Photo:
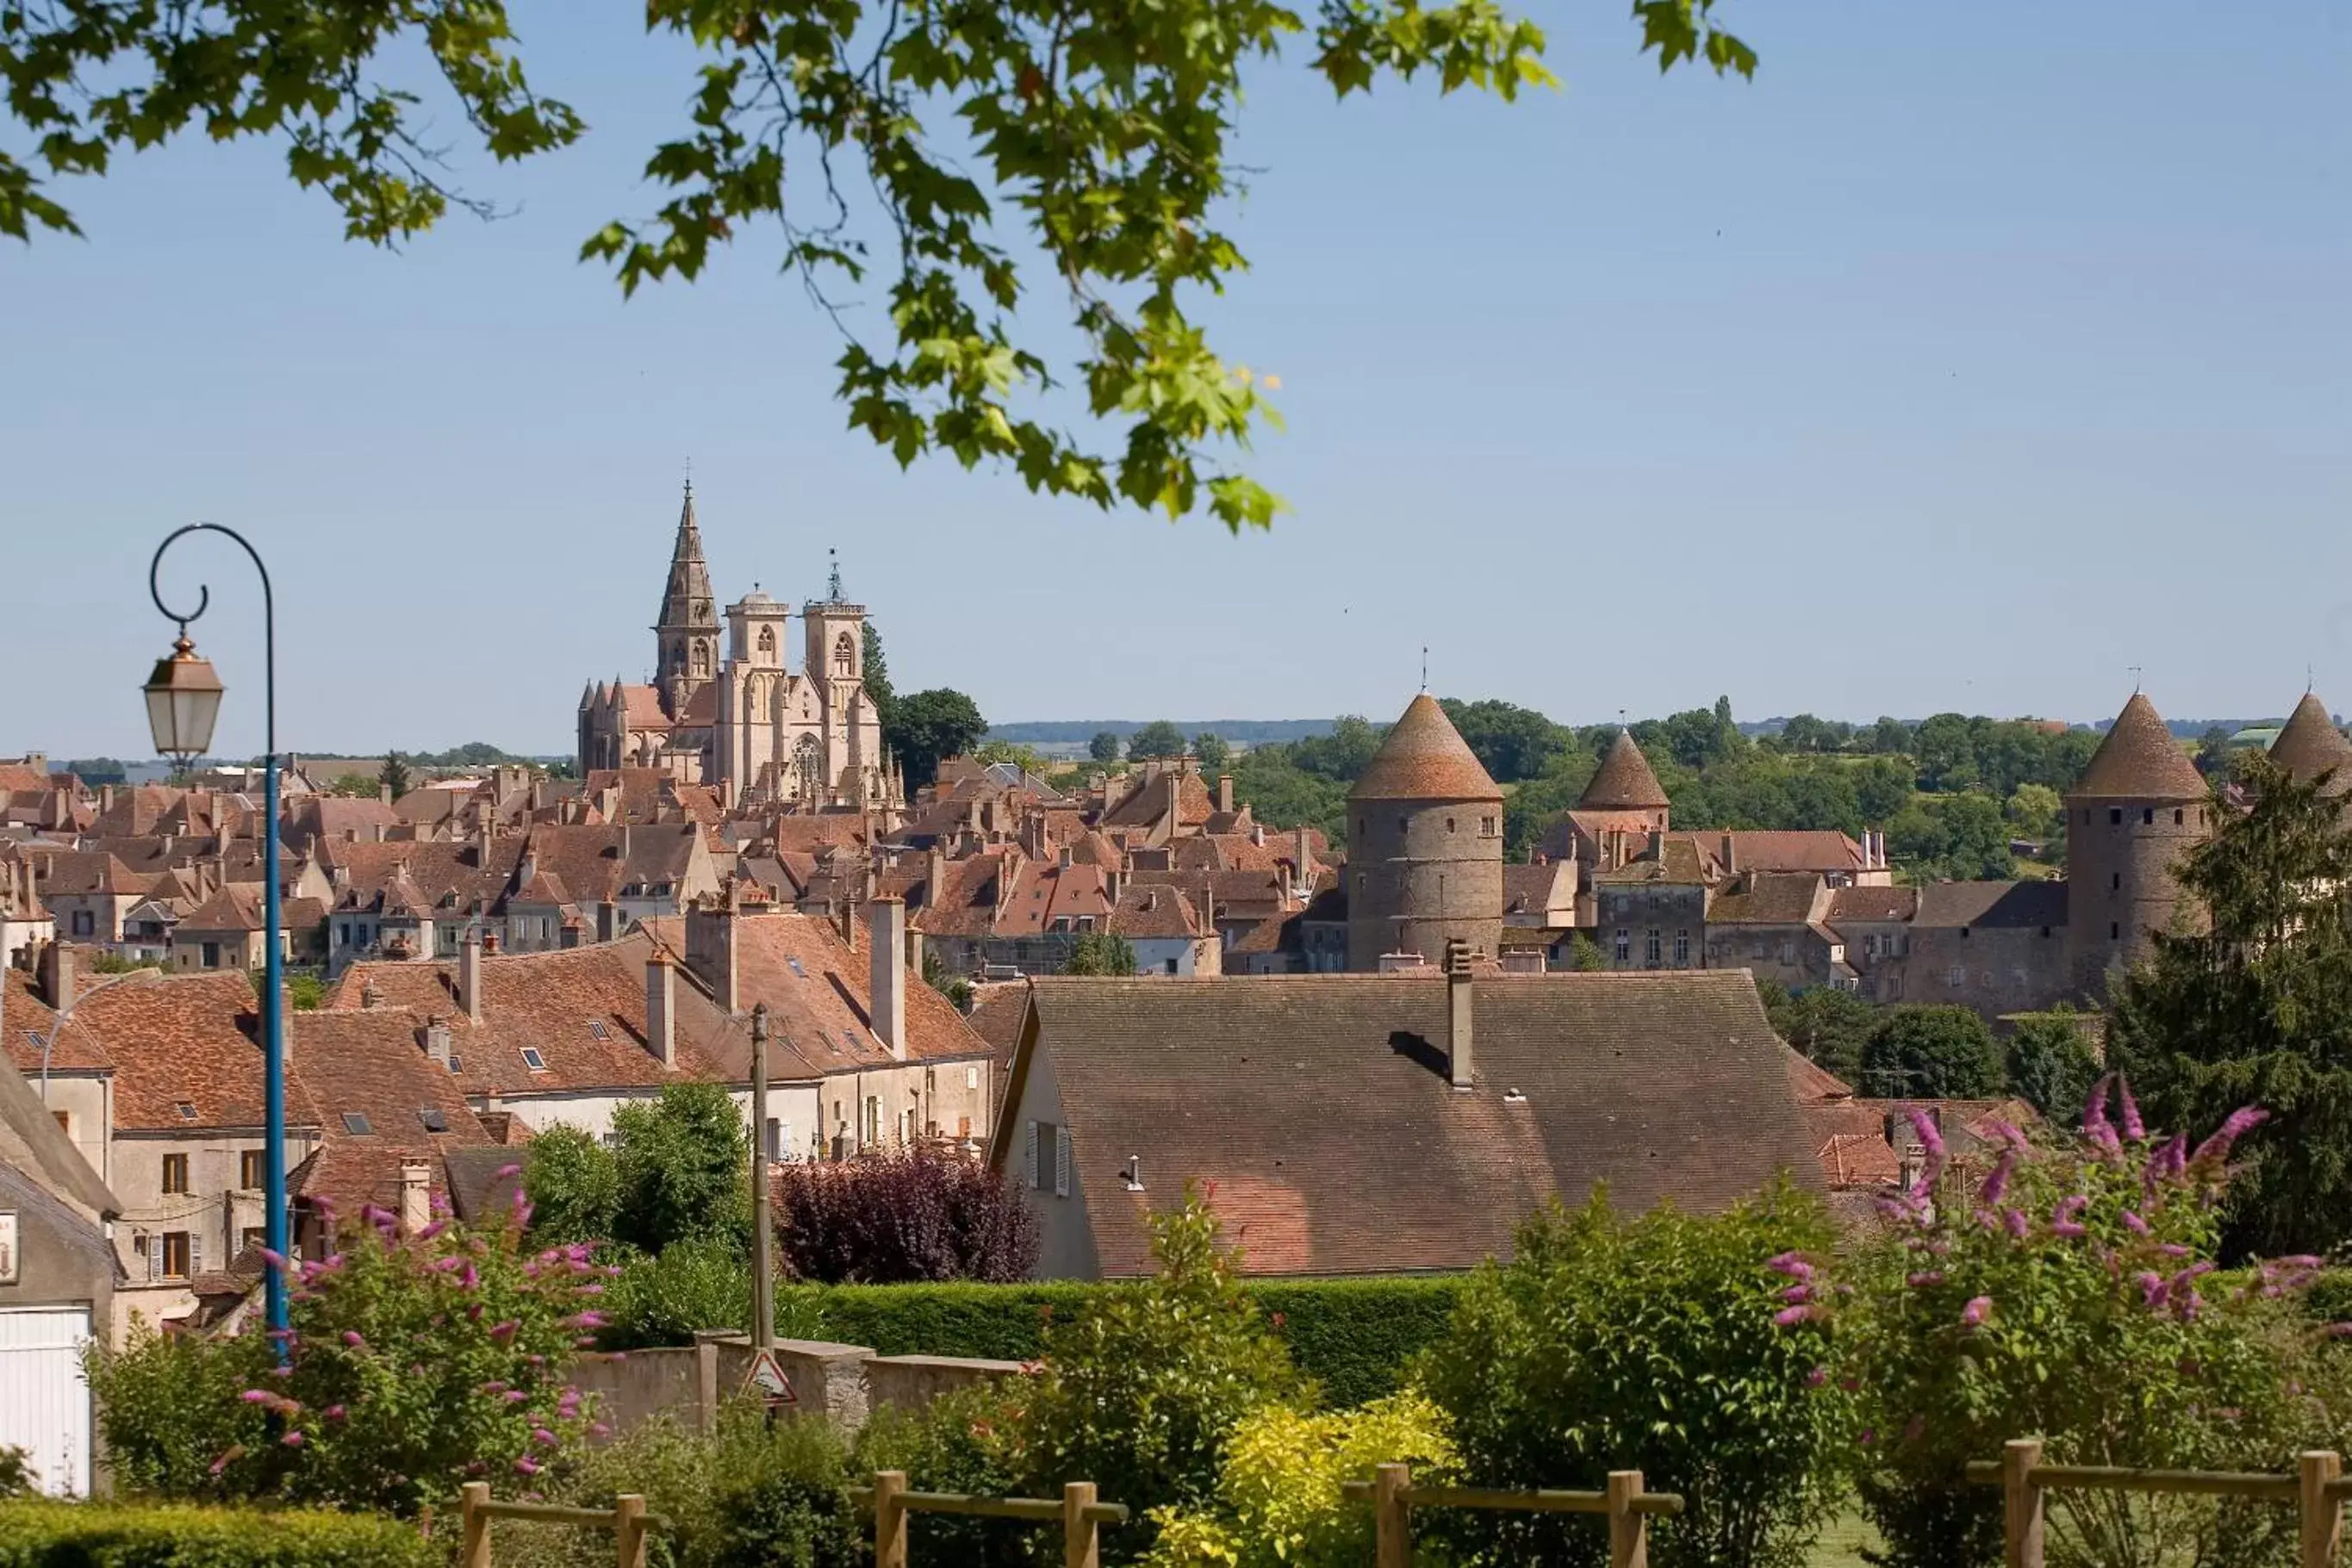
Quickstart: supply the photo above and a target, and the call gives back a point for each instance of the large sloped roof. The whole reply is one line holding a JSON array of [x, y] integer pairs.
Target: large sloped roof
[[1320, 1108], [1625, 782], [2311, 744], [2140, 761], [1424, 758]]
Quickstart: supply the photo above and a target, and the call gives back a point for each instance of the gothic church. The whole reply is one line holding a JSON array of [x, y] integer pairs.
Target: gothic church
[[760, 732]]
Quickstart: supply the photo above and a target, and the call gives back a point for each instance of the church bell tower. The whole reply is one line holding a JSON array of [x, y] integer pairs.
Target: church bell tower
[[686, 637]]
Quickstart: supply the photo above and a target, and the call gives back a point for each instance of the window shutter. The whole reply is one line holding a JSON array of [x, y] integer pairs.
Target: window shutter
[[1061, 1161], [155, 1256], [1029, 1156], [196, 1253]]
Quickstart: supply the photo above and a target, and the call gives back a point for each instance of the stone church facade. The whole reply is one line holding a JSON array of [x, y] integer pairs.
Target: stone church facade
[[742, 719]]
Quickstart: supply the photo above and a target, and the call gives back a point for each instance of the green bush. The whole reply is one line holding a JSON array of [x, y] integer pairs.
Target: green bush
[[1278, 1501], [748, 1495], [1646, 1342], [96, 1535], [965, 1441], [1353, 1337], [663, 1297]]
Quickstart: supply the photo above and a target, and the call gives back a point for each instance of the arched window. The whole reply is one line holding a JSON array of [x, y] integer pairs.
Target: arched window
[[845, 655], [701, 659], [808, 767], [768, 639], [678, 658]]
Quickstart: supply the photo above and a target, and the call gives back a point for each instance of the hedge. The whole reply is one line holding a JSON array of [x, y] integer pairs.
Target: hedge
[[46, 1534], [1353, 1336]]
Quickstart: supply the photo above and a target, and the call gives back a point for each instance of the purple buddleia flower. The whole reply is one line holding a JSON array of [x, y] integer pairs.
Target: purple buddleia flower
[[1796, 1293], [2133, 1128], [2172, 1249], [516, 1396], [430, 1231], [2171, 1158], [1925, 1279], [2016, 1222], [598, 1429], [1791, 1263], [544, 1437], [258, 1396], [1997, 1182], [2066, 1219], [1931, 1140], [335, 1413], [274, 1260], [505, 1330], [2133, 1223], [506, 1171], [2151, 1288], [1790, 1317], [1974, 1314], [2095, 1126], [1816, 1377], [527, 1464], [2216, 1149], [292, 1439]]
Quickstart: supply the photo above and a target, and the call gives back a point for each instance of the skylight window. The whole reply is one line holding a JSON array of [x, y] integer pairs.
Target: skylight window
[[187, 1112], [356, 1124], [849, 1038], [40, 1041], [596, 1027], [435, 1121], [796, 967], [533, 1059], [456, 1062]]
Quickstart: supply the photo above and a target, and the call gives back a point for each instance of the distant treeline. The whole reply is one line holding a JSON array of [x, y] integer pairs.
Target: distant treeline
[[1233, 731]]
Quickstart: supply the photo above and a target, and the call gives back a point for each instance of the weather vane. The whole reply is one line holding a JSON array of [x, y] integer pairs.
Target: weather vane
[[1424, 667], [834, 556], [2136, 673]]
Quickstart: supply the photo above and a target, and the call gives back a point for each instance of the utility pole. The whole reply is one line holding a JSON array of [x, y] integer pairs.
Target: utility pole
[[764, 1265]]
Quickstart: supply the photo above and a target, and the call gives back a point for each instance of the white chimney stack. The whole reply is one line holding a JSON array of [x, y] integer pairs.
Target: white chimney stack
[[661, 1007], [1457, 1012], [469, 975], [415, 1197], [888, 951], [437, 1039]]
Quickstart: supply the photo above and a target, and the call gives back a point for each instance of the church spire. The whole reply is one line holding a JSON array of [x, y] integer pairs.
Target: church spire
[[687, 636]]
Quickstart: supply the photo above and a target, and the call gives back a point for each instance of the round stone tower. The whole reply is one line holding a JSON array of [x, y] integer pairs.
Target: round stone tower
[[2137, 808], [2310, 747], [1425, 846]]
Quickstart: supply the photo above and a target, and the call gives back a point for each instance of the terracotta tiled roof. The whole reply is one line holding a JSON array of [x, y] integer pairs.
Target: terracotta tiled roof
[[1811, 1083], [2310, 744], [234, 906], [582, 1010], [1319, 1108], [964, 904], [2015, 904], [1154, 913], [185, 1040], [1529, 889], [1625, 782], [1767, 898], [1873, 904], [2139, 760], [1785, 850], [25, 1013], [1424, 758], [374, 1066], [1678, 860]]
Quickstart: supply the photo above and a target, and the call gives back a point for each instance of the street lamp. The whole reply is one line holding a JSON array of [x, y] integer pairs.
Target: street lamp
[[182, 700]]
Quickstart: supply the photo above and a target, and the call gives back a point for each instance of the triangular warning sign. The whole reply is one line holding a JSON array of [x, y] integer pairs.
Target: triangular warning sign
[[768, 1378]]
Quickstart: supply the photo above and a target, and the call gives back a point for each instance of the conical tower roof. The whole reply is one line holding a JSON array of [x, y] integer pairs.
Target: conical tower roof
[[2310, 744], [687, 600], [1625, 782], [1424, 758], [2140, 761]]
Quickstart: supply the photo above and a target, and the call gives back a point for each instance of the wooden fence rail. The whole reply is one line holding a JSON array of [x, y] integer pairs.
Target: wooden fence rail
[[2319, 1489], [1627, 1506], [1080, 1516], [626, 1519]]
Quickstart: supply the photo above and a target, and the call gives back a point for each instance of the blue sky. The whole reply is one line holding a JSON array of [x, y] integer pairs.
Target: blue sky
[[1968, 357]]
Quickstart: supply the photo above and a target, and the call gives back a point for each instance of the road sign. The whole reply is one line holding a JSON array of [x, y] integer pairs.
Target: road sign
[[768, 1378]]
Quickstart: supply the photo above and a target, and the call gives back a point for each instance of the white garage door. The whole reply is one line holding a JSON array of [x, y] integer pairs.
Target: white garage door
[[45, 1409]]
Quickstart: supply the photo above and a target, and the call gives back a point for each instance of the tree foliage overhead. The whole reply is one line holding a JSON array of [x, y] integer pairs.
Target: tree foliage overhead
[[1093, 134], [2252, 1011]]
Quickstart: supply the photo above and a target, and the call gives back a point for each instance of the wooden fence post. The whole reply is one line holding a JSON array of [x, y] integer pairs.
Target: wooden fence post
[[889, 1519], [1081, 1536], [2020, 1503], [1629, 1532], [474, 1544], [629, 1530], [2322, 1514], [1392, 1519]]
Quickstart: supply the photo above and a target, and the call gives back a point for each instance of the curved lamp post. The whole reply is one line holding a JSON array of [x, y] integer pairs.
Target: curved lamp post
[[184, 699]]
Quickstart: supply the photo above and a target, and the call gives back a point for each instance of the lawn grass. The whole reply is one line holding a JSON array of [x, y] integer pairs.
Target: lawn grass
[[1842, 1541]]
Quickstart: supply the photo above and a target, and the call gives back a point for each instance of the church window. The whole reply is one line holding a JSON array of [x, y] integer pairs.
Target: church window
[[768, 639], [808, 766], [702, 658], [678, 658], [845, 655]]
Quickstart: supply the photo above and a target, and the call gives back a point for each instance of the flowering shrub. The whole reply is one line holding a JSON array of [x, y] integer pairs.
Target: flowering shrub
[[1278, 1503], [413, 1364], [2070, 1296], [1646, 1342]]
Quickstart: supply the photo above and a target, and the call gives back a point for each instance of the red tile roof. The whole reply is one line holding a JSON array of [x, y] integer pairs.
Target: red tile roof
[[2310, 744], [1624, 780], [2139, 760], [1424, 758], [187, 1039]]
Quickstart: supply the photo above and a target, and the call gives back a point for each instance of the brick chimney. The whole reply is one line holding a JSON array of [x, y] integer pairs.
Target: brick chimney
[[415, 1197], [437, 1039], [886, 918], [1225, 793], [1458, 1056], [1730, 854], [661, 1007], [469, 975]]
